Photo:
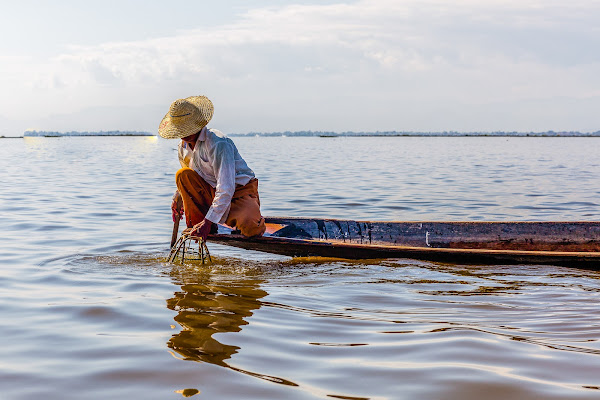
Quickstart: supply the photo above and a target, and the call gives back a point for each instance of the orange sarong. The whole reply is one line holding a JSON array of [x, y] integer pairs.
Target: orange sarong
[[198, 195]]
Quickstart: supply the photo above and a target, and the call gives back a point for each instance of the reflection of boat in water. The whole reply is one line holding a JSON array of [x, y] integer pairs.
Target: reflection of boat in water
[[206, 309], [574, 244]]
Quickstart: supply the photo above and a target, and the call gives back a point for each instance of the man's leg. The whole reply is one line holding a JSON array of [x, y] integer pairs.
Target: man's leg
[[197, 195], [245, 211]]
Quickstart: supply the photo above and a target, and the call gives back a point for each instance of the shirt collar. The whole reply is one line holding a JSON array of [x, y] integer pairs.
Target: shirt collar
[[202, 135], [201, 138]]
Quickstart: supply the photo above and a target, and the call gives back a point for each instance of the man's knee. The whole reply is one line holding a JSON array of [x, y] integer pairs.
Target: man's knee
[[188, 180], [250, 227], [245, 216], [184, 174]]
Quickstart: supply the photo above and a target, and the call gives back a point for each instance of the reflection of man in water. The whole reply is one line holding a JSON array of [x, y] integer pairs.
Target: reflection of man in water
[[206, 309]]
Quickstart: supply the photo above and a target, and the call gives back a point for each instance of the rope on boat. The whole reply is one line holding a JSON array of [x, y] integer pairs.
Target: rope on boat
[[182, 249]]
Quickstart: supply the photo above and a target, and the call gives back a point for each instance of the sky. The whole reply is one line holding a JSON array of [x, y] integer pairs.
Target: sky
[[270, 66]]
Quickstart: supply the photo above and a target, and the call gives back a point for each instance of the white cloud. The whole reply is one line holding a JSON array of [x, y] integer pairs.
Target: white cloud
[[307, 65]]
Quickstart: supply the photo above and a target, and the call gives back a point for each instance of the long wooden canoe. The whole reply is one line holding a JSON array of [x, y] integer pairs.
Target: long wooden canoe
[[575, 244]]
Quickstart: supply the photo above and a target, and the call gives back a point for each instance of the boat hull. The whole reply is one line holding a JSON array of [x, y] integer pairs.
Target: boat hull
[[575, 244]]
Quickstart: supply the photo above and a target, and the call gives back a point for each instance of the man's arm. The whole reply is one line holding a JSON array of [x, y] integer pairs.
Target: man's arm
[[224, 170], [185, 163], [177, 206]]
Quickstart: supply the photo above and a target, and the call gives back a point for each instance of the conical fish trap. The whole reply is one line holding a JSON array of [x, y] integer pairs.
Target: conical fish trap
[[189, 248]]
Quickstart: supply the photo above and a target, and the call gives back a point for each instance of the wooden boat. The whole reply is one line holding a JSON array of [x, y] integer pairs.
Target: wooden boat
[[575, 244]]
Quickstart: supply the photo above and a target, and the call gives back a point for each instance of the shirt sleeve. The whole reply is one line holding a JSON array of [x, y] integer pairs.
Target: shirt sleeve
[[224, 170], [182, 161]]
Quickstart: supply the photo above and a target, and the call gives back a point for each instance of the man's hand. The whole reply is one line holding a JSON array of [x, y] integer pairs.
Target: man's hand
[[201, 229], [177, 207]]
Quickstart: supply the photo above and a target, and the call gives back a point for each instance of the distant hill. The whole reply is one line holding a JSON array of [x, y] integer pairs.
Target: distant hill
[[75, 133], [396, 133]]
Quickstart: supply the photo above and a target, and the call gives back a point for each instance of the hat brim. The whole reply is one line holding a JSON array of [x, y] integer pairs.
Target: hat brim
[[168, 130]]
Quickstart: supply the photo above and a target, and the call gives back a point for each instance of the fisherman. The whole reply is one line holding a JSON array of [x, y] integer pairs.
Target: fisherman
[[214, 184]]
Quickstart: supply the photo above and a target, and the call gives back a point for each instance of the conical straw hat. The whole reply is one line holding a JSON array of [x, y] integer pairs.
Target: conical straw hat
[[186, 117]]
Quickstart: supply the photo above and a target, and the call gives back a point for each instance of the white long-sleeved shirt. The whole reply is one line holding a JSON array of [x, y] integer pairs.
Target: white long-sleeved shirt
[[216, 159]]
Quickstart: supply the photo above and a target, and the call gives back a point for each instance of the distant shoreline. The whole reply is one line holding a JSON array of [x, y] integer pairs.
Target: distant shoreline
[[441, 135], [326, 134], [78, 133], [420, 135], [54, 136], [594, 135], [323, 134], [57, 136]]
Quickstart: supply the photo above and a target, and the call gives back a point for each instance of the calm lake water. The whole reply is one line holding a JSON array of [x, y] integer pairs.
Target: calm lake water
[[91, 309]]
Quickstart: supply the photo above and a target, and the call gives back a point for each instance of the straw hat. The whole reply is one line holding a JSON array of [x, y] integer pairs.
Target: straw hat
[[186, 117]]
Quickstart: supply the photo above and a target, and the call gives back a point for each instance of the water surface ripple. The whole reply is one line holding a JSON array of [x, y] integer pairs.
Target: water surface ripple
[[92, 310]]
